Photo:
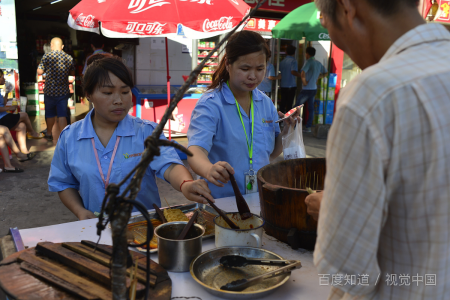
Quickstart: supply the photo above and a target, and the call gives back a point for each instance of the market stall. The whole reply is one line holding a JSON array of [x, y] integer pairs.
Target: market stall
[[304, 283]]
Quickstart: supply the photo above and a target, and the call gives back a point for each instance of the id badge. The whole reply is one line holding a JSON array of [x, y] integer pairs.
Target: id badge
[[251, 186]]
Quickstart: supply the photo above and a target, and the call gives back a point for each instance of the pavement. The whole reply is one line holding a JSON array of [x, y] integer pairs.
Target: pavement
[[25, 201]]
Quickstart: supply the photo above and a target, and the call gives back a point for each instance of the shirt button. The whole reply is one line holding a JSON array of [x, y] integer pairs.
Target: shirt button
[[105, 157]]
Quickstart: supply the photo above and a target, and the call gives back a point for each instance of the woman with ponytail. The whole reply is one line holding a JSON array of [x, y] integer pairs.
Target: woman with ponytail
[[233, 125]]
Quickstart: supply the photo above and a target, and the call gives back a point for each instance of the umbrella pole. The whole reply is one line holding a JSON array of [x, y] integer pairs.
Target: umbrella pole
[[278, 71], [168, 86]]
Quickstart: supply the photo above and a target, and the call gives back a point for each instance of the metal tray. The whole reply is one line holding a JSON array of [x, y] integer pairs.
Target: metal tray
[[207, 272], [185, 208]]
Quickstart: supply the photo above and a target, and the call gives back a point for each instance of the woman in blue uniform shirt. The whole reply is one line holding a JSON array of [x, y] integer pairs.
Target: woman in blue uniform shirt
[[107, 144], [233, 125]]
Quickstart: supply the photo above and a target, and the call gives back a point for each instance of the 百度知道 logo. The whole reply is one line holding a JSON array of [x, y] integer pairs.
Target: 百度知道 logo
[[139, 5], [223, 23], [154, 28]]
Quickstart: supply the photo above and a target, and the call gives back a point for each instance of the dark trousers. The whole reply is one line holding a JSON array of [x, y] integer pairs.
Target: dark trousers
[[307, 96], [287, 98]]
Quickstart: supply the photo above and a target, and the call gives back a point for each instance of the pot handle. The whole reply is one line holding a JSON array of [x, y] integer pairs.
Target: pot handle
[[257, 238]]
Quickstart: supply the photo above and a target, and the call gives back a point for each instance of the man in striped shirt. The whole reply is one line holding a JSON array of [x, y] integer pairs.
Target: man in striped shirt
[[384, 219]]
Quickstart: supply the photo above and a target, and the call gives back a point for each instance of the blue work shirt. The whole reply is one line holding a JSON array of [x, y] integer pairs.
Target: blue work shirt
[[286, 66], [312, 69], [2, 104], [74, 164], [266, 84], [216, 127]]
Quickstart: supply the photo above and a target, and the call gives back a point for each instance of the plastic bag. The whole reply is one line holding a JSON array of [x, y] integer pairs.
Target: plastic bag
[[293, 146]]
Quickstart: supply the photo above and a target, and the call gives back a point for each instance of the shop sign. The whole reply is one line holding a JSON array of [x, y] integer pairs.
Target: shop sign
[[279, 5], [443, 14], [256, 24]]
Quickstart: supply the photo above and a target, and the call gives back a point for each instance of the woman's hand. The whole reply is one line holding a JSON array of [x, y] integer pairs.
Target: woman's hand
[[291, 121], [197, 191], [218, 174], [85, 215]]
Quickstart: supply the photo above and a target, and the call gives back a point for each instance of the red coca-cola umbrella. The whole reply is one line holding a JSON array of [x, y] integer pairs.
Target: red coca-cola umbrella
[[141, 18], [195, 19]]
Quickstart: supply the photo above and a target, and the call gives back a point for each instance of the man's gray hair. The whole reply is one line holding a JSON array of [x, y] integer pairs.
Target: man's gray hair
[[327, 7], [385, 7]]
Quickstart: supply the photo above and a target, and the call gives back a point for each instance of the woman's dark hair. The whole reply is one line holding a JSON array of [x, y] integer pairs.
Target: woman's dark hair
[[97, 72], [239, 44]]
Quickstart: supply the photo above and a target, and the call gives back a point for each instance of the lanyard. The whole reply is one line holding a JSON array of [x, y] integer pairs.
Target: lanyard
[[105, 182], [249, 145]]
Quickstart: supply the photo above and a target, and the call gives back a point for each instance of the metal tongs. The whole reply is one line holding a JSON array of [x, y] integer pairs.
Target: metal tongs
[[234, 261], [242, 284]]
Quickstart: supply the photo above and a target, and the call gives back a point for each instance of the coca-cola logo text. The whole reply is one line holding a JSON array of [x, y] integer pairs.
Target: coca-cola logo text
[[138, 5], [85, 21], [324, 36], [154, 28], [223, 23]]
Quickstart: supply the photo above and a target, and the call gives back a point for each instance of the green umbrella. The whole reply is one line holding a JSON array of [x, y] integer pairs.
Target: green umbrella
[[302, 22]]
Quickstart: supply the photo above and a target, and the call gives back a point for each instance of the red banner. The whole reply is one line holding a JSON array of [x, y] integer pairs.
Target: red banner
[[256, 24], [279, 5], [443, 14]]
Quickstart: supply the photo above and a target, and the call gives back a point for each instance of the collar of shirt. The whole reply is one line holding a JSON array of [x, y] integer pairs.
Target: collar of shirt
[[229, 97], [125, 127], [425, 33]]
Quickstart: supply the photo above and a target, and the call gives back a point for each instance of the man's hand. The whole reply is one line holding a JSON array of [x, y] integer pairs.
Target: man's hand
[[197, 191], [86, 215], [218, 173], [313, 204], [12, 107]]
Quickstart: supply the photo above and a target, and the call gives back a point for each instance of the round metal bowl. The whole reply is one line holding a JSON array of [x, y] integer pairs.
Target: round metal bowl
[[207, 271]]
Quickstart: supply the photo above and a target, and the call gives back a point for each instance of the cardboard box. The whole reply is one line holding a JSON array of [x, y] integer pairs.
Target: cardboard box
[[328, 119], [318, 119], [318, 107], [329, 107]]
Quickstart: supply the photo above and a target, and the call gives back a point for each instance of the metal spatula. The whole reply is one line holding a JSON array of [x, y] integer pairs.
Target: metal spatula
[[242, 284], [242, 205]]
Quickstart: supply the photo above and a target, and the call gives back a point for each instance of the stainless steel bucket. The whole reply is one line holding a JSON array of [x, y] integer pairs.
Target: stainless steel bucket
[[176, 256]]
